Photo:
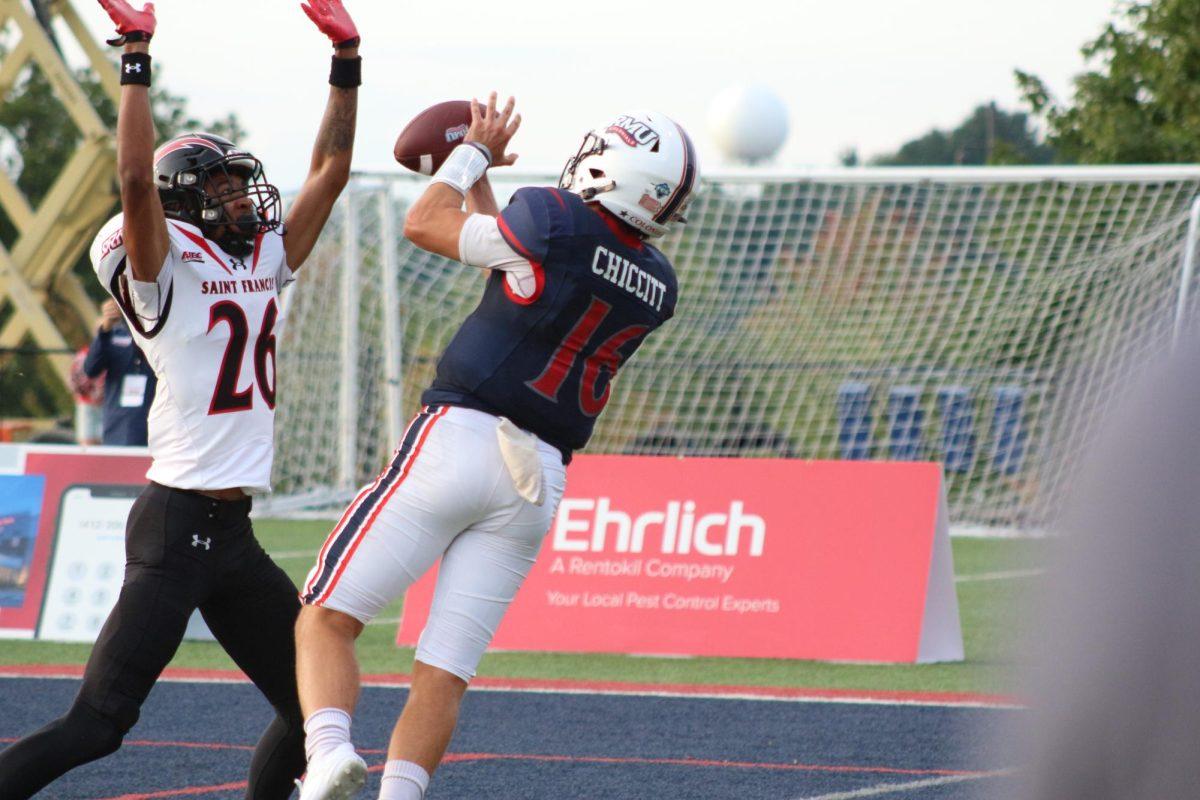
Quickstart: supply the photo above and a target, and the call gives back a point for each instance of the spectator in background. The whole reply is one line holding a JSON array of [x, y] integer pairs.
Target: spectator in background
[[89, 404], [129, 381]]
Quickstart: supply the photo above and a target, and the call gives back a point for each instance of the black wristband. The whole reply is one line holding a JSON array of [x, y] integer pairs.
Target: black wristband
[[353, 41], [346, 73], [123, 39], [135, 69]]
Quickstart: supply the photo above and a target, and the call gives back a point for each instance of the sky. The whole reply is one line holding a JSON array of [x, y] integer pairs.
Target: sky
[[868, 74]]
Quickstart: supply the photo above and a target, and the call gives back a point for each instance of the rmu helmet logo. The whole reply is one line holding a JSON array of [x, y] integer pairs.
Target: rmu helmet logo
[[456, 133], [633, 132]]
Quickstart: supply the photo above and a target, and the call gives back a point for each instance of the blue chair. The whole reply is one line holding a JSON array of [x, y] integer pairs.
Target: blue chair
[[1009, 434], [958, 427], [906, 418], [854, 420]]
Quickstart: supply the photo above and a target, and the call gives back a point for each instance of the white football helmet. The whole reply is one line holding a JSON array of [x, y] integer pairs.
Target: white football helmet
[[641, 167]]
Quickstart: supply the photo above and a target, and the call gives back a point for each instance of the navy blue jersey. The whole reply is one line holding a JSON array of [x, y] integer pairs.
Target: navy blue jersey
[[547, 361]]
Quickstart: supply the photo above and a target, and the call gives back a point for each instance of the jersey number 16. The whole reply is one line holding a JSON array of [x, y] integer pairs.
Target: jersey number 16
[[593, 393]]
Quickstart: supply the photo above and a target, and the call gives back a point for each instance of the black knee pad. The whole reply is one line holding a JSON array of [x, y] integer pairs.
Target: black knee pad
[[92, 734]]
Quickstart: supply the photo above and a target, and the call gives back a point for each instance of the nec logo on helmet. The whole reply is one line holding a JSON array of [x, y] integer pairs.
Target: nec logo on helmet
[[633, 132]]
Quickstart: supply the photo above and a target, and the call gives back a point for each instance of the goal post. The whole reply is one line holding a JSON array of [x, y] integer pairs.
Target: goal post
[[980, 317]]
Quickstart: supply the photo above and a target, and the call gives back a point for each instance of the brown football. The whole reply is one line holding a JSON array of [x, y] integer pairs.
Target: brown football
[[426, 141]]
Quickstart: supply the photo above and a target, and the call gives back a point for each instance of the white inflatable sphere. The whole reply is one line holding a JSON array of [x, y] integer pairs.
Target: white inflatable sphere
[[748, 123]]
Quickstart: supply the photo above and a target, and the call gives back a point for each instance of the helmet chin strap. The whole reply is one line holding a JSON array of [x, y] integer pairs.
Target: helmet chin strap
[[235, 244], [590, 192], [237, 236]]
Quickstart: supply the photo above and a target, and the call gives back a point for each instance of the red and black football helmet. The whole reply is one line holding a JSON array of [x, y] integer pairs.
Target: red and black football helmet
[[182, 168]]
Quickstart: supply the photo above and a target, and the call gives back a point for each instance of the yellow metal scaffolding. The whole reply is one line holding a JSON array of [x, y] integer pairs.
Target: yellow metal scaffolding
[[51, 237]]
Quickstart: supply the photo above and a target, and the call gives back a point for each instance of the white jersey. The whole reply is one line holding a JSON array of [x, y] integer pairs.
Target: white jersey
[[207, 327]]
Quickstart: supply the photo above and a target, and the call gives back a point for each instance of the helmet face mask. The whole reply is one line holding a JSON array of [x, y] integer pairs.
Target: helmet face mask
[[641, 168], [199, 174], [593, 145]]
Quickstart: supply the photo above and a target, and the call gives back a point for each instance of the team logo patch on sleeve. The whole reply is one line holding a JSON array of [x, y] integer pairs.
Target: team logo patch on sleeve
[[112, 243]]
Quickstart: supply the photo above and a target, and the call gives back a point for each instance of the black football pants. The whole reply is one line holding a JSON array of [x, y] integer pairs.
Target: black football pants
[[183, 551]]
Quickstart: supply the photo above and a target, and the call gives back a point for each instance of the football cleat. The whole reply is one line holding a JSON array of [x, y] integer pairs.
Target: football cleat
[[337, 776]]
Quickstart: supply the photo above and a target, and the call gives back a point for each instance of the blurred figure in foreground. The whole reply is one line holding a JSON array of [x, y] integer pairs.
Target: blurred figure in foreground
[[1116, 690]]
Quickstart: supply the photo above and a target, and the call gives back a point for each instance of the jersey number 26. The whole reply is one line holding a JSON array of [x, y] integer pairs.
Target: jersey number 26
[[226, 396]]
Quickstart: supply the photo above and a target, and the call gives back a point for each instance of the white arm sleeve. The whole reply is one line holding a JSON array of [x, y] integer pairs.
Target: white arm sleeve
[[148, 296], [480, 244]]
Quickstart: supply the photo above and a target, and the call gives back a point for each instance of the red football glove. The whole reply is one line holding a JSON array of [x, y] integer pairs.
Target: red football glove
[[132, 26], [333, 20]]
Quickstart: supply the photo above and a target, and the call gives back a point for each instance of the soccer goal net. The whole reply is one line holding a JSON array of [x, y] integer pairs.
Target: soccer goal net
[[982, 318]]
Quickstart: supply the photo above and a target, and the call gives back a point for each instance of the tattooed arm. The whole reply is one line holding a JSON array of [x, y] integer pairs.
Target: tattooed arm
[[328, 172]]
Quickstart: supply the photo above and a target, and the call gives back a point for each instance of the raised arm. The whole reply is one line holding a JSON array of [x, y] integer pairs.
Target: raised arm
[[329, 169], [435, 221], [145, 225], [481, 199]]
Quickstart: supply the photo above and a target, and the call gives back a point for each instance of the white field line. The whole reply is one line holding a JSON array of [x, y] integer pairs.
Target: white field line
[[1000, 576], [893, 788]]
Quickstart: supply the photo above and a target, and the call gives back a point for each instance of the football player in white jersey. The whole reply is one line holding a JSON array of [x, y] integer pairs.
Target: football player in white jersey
[[196, 261]]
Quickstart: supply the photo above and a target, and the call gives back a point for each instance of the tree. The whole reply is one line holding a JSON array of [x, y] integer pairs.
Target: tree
[[989, 135], [36, 139], [33, 117], [1140, 104]]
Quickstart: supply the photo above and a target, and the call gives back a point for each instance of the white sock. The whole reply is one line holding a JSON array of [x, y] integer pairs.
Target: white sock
[[324, 730], [403, 780]]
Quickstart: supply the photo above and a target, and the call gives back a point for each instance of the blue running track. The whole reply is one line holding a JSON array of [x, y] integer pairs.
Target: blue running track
[[194, 741]]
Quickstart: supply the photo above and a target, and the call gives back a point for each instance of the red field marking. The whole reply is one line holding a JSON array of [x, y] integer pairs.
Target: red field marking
[[452, 758], [188, 791], [192, 791], [589, 687], [187, 745]]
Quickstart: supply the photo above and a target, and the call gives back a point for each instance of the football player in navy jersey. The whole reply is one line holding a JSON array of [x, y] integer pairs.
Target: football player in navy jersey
[[574, 287]]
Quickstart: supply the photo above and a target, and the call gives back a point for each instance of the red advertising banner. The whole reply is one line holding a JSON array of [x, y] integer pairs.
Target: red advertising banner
[[62, 472], [738, 557]]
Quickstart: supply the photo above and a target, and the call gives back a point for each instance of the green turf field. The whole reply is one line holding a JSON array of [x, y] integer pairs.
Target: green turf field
[[988, 609]]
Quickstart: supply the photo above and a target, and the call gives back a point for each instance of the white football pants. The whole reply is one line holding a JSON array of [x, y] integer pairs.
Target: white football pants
[[447, 494]]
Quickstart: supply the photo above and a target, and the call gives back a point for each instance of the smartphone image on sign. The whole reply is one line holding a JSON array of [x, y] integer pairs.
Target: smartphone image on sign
[[88, 564], [88, 561], [20, 508]]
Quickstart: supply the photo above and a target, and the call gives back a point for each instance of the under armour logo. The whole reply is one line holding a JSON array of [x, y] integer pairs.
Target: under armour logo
[[197, 541], [133, 67]]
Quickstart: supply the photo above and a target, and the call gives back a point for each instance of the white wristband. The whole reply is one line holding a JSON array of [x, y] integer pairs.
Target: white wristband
[[462, 169]]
